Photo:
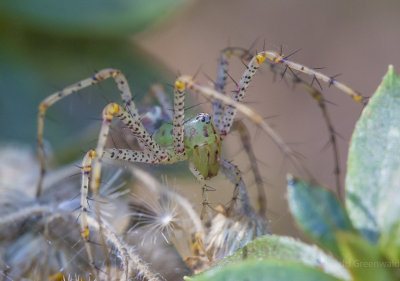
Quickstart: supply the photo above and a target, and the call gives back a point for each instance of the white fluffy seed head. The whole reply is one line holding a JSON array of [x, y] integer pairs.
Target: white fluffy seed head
[[157, 219]]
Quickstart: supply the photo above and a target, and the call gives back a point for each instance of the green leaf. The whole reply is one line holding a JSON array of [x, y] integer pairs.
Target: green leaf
[[373, 175], [88, 18], [364, 260], [263, 271], [318, 212], [33, 67], [389, 243], [287, 249]]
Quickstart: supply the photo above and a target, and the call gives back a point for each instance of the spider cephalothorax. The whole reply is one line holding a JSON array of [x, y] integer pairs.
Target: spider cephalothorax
[[202, 143]]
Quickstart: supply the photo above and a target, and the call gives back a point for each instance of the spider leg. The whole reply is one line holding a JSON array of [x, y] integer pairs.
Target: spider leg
[[153, 152], [235, 176], [123, 154], [274, 57], [236, 225], [86, 168], [240, 205], [222, 75], [277, 58], [153, 149], [179, 115], [238, 95], [240, 127], [201, 179], [122, 85]]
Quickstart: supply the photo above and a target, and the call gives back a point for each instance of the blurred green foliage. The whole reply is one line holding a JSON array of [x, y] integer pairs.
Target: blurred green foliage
[[88, 18], [48, 45]]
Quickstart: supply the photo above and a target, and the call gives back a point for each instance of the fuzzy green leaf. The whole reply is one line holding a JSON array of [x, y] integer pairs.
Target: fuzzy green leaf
[[373, 175], [254, 270], [365, 260], [318, 212], [33, 67], [88, 18], [287, 249]]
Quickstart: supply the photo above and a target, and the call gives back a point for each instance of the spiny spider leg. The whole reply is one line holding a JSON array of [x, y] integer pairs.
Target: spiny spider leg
[[218, 110], [126, 96], [277, 58], [241, 128], [130, 119], [318, 97], [86, 167], [153, 154], [240, 194], [233, 227], [237, 178], [204, 195], [222, 75], [274, 57], [134, 156], [137, 129]]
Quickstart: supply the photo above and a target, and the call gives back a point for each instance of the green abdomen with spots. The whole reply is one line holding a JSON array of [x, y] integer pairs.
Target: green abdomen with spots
[[202, 143]]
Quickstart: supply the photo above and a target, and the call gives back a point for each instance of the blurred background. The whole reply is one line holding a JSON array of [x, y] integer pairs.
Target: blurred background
[[47, 45]]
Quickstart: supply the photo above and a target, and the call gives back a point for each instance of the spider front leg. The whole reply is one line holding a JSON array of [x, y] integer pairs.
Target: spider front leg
[[123, 154], [86, 169], [126, 96], [136, 127], [154, 153]]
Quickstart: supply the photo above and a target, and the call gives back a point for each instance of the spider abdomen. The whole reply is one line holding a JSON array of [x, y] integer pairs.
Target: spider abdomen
[[202, 143]]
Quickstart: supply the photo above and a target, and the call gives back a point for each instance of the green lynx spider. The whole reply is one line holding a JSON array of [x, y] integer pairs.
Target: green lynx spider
[[198, 140]]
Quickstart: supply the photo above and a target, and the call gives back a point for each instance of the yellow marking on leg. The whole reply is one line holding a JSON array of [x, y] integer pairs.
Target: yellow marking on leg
[[260, 58], [179, 85], [92, 153], [85, 234], [110, 110], [43, 107]]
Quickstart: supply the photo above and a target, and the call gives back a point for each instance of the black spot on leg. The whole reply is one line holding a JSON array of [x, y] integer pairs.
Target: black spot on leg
[[205, 131]]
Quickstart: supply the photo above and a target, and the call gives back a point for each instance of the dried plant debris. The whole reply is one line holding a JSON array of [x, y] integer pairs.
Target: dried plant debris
[[150, 237]]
